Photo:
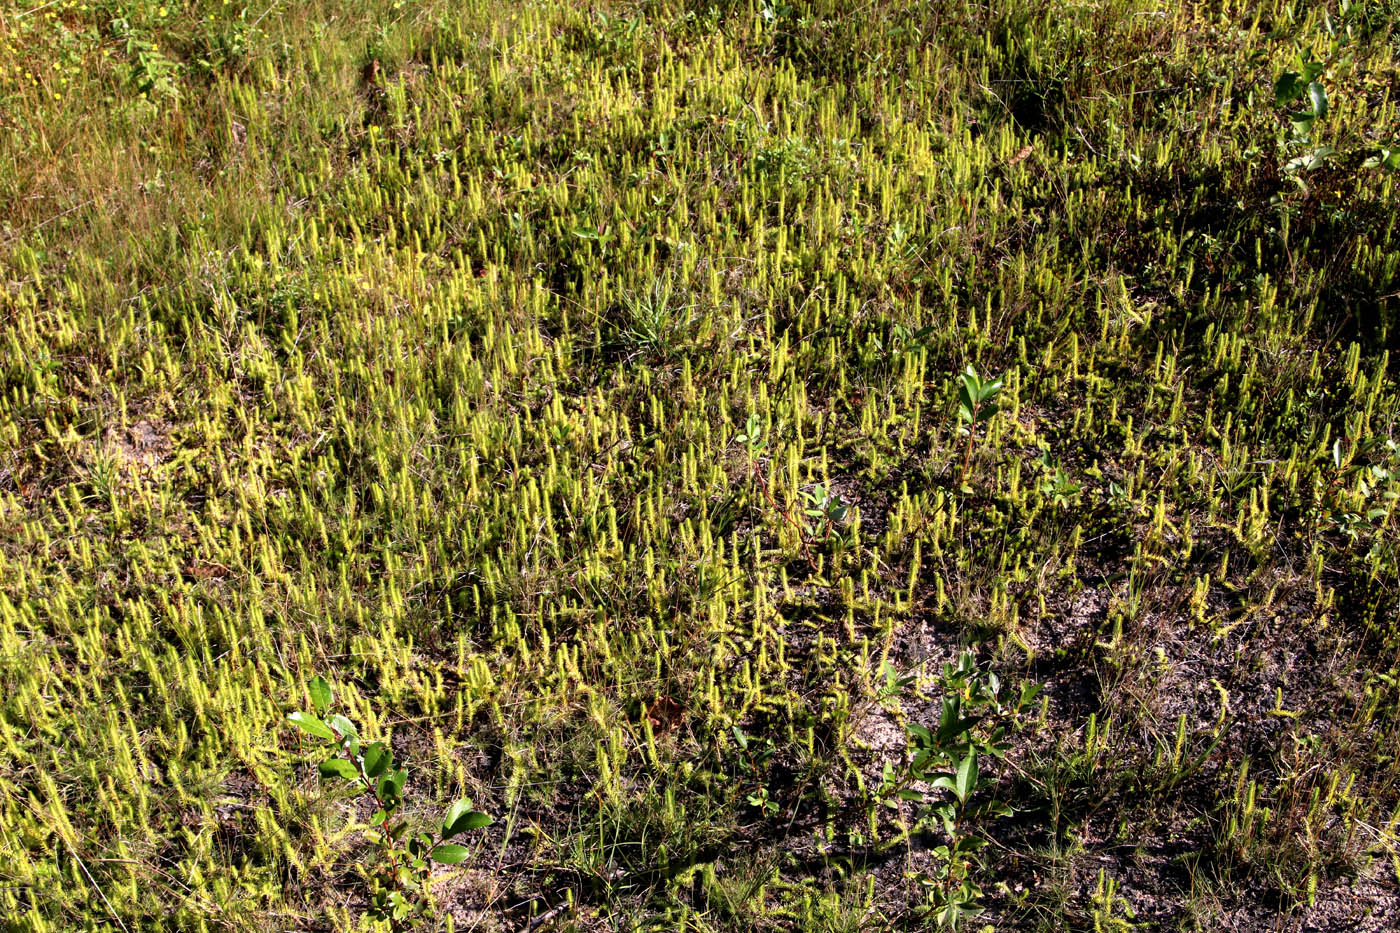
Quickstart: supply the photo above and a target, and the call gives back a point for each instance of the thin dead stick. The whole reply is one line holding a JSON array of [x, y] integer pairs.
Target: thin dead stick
[[44, 223], [110, 912], [189, 893], [42, 6]]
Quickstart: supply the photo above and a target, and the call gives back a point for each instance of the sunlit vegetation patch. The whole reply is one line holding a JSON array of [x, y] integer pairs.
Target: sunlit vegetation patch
[[765, 465]]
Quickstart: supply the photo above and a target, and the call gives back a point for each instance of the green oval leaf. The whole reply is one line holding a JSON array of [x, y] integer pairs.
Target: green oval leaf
[[453, 813], [320, 694], [338, 767], [967, 777], [1318, 95], [1288, 87], [342, 725], [448, 854], [377, 759], [311, 724], [461, 818], [391, 783], [476, 820]]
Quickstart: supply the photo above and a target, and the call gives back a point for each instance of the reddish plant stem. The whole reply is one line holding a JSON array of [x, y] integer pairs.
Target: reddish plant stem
[[763, 485]]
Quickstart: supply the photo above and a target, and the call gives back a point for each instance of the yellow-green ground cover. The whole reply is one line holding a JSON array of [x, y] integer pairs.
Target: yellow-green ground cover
[[412, 344]]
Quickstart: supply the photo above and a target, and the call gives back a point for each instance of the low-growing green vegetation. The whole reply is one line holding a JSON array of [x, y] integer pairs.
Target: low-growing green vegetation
[[714, 466]]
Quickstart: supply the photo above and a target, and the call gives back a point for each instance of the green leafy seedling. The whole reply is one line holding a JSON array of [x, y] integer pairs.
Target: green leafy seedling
[[401, 873], [826, 509], [977, 402], [944, 777], [1304, 87]]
